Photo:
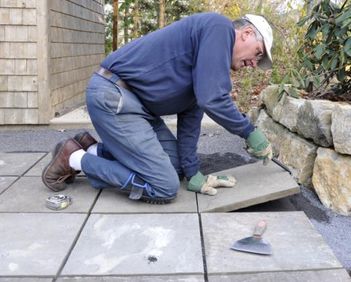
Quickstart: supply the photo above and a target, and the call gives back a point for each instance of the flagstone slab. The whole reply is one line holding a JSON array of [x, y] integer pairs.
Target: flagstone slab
[[111, 201], [296, 245], [39, 167], [337, 275], [256, 184], [167, 278], [25, 279], [29, 194], [5, 182], [13, 164], [36, 244], [137, 244]]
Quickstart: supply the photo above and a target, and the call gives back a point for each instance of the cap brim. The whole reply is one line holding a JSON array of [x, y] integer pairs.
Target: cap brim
[[266, 62]]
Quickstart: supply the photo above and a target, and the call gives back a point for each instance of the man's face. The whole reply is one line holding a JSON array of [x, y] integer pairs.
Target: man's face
[[247, 49]]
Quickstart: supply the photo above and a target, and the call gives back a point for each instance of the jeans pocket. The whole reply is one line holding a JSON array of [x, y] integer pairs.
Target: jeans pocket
[[113, 99]]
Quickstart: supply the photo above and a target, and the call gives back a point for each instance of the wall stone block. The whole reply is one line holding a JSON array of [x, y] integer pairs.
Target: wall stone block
[[270, 98], [286, 112], [294, 151], [341, 128], [314, 121], [331, 180]]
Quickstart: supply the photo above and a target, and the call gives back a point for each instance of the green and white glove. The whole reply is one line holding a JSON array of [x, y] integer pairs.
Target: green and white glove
[[259, 146], [207, 184]]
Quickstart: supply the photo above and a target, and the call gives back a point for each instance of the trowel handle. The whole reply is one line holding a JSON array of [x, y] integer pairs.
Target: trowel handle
[[260, 228]]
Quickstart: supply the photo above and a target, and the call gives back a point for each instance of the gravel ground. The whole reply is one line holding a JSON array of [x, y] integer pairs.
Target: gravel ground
[[218, 150]]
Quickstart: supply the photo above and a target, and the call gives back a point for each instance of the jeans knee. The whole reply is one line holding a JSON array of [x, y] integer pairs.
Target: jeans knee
[[169, 186], [173, 185]]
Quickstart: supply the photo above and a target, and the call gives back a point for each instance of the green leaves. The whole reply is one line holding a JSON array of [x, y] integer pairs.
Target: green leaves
[[326, 52], [347, 47]]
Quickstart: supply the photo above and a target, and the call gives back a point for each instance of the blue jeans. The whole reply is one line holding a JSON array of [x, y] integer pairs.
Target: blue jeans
[[135, 143]]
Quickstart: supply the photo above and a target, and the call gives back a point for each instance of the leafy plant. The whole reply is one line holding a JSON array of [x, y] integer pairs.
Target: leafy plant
[[325, 56]]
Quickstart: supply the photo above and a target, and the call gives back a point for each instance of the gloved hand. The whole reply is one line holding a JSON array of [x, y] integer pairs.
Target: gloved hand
[[207, 184], [259, 146]]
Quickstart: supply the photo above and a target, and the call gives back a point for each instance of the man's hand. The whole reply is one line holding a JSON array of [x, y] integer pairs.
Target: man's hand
[[207, 184], [259, 146]]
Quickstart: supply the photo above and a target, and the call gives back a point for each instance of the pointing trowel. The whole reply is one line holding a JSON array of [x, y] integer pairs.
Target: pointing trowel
[[255, 243]]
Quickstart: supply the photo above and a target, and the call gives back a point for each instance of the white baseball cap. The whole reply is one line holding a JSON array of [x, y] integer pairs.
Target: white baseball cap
[[265, 30]]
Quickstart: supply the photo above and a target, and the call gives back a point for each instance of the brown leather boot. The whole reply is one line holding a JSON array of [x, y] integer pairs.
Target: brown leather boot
[[85, 139], [58, 170]]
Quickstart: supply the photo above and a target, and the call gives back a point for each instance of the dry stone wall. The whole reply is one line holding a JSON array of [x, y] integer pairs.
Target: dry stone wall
[[313, 138]]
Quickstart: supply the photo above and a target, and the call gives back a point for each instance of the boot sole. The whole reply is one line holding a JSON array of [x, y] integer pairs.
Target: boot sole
[[153, 201]]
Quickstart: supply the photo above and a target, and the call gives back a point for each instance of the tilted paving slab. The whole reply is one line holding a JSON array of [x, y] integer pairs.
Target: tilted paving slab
[[36, 244], [166, 278], [296, 245], [112, 201], [5, 182], [13, 164], [137, 244], [256, 184], [334, 275], [29, 194]]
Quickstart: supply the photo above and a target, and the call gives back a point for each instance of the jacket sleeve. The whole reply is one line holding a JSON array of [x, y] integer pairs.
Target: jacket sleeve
[[188, 132], [211, 79]]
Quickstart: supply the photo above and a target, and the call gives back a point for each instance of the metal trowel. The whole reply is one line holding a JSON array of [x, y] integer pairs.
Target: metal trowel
[[255, 243]]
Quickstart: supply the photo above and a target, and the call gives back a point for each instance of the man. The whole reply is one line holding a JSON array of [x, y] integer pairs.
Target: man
[[182, 69]]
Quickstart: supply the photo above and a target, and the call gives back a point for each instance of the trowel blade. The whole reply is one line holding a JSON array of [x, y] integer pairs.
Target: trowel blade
[[253, 245]]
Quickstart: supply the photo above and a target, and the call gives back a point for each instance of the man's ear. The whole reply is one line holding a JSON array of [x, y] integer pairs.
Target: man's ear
[[246, 32]]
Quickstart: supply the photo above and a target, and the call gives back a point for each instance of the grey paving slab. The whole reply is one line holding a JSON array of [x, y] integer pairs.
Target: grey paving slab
[[110, 201], [338, 275], [36, 244], [296, 244], [5, 182], [137, 244], [176, 278], [256, 184], [28, 194], [38, 168], [25, 279], [12, 164]]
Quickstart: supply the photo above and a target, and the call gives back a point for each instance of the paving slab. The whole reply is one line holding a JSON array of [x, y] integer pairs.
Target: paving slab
[[36, 244], [13, 164], [38, 168], [338, 275], [138, 245], [111, 201], [296, 245], [256, 184], [25, 279], [5, 182], [29, 194], [167, 278]]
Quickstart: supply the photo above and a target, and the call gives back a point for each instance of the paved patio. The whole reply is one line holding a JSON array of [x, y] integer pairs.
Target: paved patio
[[103, 236]]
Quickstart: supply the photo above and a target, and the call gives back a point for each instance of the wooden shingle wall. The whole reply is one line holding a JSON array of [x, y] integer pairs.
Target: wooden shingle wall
[[48, 51], [18, 62], [77, 36]]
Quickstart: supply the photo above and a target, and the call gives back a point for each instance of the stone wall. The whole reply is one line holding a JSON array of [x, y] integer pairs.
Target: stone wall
[[18, 62], [48, 50], [312, 137]]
